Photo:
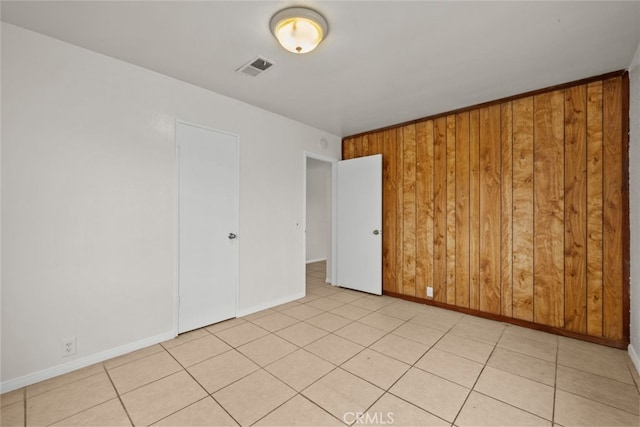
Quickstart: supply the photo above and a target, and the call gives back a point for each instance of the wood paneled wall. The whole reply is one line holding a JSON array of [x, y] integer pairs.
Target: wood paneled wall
[[516, 209]]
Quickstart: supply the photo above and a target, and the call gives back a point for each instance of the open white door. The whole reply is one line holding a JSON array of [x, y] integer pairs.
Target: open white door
[[359, 224], [208, 223]]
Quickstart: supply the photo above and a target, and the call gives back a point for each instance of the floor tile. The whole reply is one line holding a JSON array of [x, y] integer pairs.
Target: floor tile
[[437, 318], [334, 349], [372, 302], [227, 324], [381, 321], [419, 333], [258, 314], [62, 380], [402, 310], [268, 349], [400, 348], [350, 311], [308, 298], [299, 411], [302, 334], [529, 346], [110, 413], [596, 359], [481, 410], [326, 303], [220, 371], [299, 369], [431, 393], [340, 392], [12, 397], [360, 333], [241, 334], [186, 337], [143, 371], [544, 337], [345, 297], [60, 403], [451, 367], [287, 306], [520, 392], [159, 399], [572, 410], [601, 389], [376, 368], [526, 366], [205, 412], [478, 332], [390, 410], [275, 322], [12, 415], [253, 397], [134, 355], [328, 321], [323, 291], [303, 312], [473, 350], [198, 350]]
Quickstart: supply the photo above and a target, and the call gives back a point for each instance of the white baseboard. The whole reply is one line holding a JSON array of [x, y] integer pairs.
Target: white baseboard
[[634, 358], [260, 307], [54, 371], [311, 261]]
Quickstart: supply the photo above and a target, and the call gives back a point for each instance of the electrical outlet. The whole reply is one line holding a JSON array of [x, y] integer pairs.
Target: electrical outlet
[[68, 346], [429, 292]]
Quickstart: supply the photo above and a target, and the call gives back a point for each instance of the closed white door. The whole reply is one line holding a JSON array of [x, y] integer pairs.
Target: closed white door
[[359, 224], [208, 224]]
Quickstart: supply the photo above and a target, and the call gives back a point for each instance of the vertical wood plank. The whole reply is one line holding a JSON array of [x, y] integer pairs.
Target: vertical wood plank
[[440, 210], [429, 174], [409, 211], [421, 210], [506, 134], [594, 209], [358, 146], [549, 209], [451, 209], [348, 149], [389, 212], [613, 214], [575, 218], [399, 241], [490, 153], [365, 144], [374, 145], [523, 208], [462, 210], [474, 209]]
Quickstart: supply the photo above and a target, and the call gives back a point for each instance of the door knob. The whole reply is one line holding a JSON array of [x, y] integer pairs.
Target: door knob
[[376, 232], [232, 236]]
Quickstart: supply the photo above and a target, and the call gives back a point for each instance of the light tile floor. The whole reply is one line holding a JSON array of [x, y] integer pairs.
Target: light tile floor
[[337, 353]]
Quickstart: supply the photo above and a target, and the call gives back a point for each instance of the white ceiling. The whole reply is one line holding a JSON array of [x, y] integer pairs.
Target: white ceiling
[[382, 63]]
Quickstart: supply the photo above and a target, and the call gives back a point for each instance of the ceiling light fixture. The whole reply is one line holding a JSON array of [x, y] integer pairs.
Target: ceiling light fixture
[[299, 29]]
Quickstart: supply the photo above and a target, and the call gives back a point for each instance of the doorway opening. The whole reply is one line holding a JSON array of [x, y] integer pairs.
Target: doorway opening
[[319, 205]]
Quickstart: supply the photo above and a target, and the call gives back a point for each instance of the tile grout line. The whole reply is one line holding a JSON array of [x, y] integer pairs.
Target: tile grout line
[[472, 389], [106, 371], [388, 390], [202, 387]]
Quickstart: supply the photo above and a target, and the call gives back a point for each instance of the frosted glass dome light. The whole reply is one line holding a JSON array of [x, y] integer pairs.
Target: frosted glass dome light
[[299, 29]]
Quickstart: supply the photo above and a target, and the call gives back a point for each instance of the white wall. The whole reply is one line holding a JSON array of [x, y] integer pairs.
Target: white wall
[[88, 202], [318, 210], [634, 205]]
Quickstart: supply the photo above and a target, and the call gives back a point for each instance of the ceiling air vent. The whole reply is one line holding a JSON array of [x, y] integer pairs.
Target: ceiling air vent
[[255, 67]]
